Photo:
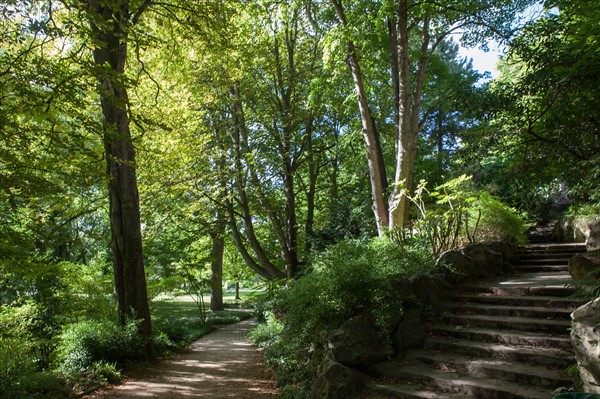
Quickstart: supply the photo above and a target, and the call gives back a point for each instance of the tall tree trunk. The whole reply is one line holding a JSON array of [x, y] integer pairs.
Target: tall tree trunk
[[285, 83], [312, 188], [262, 265], [110, 26], [216, 264], [439, 136], [409, 106], [218, 233], [377, 174]]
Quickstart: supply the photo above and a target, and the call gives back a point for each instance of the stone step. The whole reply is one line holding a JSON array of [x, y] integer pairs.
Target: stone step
[[546, 255], [540, 312], [407, 391], [552, 248], [495, 369], [542, 238], [502, 339], [508, 337], [507, 322], [515, 290], [519, 300], [452, 384], [541, 268], [546, 284], [548, 357], [542, 261]]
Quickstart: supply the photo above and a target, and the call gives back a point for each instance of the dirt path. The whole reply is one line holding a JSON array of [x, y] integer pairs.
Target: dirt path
[[219, 365]]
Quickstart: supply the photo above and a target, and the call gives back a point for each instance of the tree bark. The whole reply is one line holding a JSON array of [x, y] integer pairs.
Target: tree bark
[[216, 264], [375, 162], [312, 188], [110, 26], [409, 106], [262, 265]]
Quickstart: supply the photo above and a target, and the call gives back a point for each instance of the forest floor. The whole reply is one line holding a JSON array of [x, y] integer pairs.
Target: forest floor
[[222, 364]]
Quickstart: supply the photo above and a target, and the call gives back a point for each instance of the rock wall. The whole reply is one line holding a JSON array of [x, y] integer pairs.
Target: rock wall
[[357, 345], [585, 230], [479, 260], [585, 338], [585, 266]]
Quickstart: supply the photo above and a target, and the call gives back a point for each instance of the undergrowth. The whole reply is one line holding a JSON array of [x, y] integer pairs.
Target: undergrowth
[[351, 278]]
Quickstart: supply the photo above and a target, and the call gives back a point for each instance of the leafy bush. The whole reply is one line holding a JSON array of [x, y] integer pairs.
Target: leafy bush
[[353, 277], [498, 220], [98, 373], [17, 364], [456, 213], [177, 322], [266, 334], [173, 333], [20, 376], [84, 343], [584, 210]]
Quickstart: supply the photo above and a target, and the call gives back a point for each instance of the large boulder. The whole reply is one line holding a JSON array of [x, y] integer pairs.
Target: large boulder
[[591, 230], [428, 290], [337, 381], [585, 338], [582, 229], [487, 262], [477, 260], [461, 266], [357, 343], [410, 333], [585, 266], [507, 249]]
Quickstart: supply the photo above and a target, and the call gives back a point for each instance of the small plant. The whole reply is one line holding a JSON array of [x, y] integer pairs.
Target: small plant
[[197, 286], [105, 372], [573, 371], [267, 333], [17, 364], [587, 288], [456, 213]]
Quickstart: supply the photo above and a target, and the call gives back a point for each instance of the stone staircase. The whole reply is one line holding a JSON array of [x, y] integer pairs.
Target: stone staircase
[[506, 338]]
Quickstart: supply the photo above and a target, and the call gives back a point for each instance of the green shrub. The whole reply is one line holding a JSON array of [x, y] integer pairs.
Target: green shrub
[[266, 334], [173, 333], [498, 220], [456, 213], [84, 343], [20, 376], [17, 364], [351, 278], [104, 373]]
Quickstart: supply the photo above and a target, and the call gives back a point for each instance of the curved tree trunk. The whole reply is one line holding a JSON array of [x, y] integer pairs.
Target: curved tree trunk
[[377, 174]]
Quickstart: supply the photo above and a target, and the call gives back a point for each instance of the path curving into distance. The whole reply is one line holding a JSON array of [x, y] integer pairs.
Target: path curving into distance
[[222, 364]]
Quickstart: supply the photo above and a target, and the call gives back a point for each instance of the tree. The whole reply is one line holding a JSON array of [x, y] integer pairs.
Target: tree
[[110, 25], [544, 103], [271, 138], [449, 105], [415, 30]]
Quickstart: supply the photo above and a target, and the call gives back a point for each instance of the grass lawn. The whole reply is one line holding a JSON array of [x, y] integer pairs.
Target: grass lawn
[[177, 320]]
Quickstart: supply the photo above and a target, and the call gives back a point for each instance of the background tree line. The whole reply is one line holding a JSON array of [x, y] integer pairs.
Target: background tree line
[[143, 140]]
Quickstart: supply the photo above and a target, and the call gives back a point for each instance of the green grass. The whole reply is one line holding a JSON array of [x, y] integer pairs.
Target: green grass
[[177, 321]]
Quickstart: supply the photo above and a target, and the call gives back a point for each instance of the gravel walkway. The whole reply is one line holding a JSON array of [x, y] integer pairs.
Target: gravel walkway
[[221, 364]]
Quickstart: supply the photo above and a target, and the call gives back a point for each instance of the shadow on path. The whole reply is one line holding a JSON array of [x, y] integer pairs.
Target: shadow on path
[[222, 364]]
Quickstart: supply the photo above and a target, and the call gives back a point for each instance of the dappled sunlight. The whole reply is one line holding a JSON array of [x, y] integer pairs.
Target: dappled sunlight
[[536, 280], [216, 366]]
